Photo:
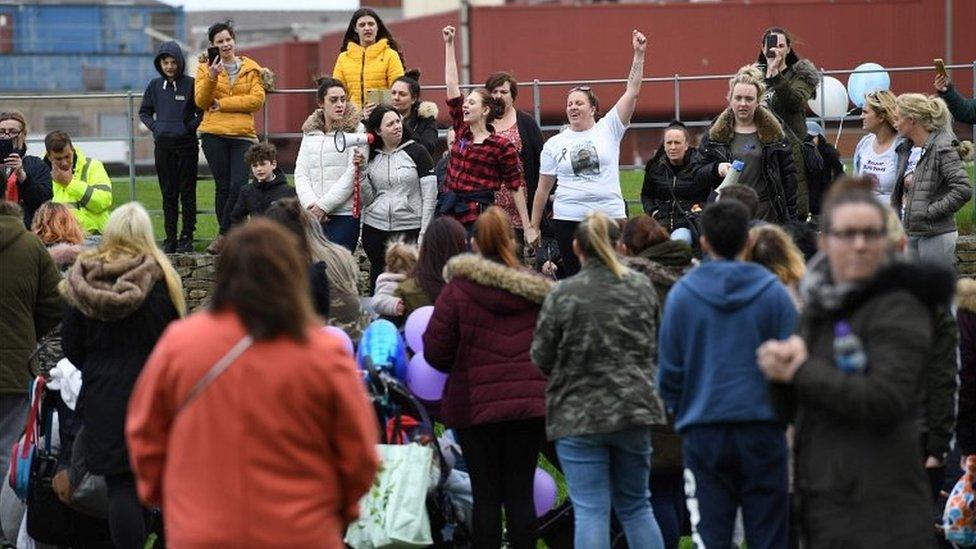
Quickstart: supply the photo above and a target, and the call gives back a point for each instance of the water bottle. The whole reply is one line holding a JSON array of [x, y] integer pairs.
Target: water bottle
[[732, 177], [848, 351]]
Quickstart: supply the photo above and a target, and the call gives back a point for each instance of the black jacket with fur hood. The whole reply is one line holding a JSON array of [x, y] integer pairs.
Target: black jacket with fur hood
[[778, 188], [857, 440], [422, 125]]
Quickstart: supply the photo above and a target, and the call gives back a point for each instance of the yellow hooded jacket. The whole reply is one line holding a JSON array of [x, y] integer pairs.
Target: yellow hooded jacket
[[238, 103], [89, 194], [371, 68]]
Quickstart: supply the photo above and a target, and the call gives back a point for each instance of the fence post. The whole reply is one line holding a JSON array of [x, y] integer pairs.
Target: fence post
[[677, 97], [537, 99], [823, 104], [264, 109], [132, 148]]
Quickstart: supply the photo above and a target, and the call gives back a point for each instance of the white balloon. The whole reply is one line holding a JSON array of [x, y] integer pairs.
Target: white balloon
[[831, 98]]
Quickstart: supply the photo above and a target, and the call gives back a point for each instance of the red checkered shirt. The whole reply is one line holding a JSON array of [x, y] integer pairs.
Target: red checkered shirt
[[488, 165]]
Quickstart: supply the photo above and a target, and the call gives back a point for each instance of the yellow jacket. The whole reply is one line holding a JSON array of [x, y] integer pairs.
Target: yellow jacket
[[238, 103], [89, 195], [372, 68]]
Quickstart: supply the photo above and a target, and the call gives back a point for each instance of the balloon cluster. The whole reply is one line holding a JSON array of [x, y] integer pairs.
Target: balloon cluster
[[832, 97], [425, 382]]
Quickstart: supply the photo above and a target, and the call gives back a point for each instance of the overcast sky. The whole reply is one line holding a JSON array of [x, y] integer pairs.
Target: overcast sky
[[214, 5]]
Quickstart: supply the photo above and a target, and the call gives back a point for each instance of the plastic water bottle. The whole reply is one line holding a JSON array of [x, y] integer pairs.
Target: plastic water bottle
[[732, 177], [848, 351]]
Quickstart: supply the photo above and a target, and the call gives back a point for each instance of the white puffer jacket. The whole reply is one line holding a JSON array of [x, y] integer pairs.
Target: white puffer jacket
[[323, 175]]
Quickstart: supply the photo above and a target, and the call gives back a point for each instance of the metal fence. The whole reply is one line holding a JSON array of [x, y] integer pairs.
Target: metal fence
[[677, 81]]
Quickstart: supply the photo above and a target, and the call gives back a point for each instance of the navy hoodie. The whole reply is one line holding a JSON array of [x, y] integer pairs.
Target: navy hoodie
[[168, 108], [714, 320]]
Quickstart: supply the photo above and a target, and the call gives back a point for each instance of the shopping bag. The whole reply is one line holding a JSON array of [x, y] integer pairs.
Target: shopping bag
[[959, 519], [394, 512]]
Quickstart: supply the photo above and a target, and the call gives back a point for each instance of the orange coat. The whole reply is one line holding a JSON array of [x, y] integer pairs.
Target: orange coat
[[238, 102], [276, 452]]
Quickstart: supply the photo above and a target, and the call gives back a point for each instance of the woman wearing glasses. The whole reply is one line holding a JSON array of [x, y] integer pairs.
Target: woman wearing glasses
[[31, 175], [585, 159]]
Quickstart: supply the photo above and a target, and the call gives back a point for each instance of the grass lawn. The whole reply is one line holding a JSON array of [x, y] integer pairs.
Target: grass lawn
[[147, 192]]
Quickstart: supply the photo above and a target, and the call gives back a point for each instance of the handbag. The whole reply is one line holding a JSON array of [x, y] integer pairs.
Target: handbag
[[393, 513], [23, 451], [959, 518], [87, 492]]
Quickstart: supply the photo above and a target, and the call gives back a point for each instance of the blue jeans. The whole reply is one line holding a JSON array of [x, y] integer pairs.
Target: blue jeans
[[343, 230], [610, 468]]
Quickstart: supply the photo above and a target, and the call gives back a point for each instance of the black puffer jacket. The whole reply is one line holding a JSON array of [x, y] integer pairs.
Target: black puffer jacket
[[257, 196], [422, 125], [778, 187], [670, 191]]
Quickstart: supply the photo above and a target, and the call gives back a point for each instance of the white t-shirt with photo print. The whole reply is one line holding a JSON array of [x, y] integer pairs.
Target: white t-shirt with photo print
[[586, 165]]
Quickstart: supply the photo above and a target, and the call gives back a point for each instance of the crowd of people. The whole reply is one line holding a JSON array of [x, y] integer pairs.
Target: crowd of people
[[780, 355]]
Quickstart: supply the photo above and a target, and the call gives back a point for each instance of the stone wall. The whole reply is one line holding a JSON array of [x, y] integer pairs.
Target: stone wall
[[966, 256]]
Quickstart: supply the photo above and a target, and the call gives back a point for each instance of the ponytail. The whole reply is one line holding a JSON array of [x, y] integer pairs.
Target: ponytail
[[596, 237], [494, 237], [931, 113]]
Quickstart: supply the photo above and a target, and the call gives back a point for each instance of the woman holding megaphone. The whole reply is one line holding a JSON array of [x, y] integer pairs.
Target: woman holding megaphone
[[326, 172]]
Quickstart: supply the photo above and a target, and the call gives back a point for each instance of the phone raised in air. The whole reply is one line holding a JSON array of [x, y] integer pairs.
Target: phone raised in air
[[772, 41], [940, 68], [212, 53], [6, 149]]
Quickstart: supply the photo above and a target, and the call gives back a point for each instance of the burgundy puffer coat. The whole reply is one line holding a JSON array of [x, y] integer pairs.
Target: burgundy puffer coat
[[480, 334]]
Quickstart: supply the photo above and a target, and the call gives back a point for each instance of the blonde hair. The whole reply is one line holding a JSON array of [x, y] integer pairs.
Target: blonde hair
[[129, 232], [340, 265], [400, 257], [884, 104], [55, 224], [931, 113], [597, 236], [772, 248], [751, 75], [894, 229]]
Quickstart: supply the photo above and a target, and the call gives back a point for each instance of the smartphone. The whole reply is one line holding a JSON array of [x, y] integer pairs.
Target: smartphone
[[940, 68], [6, 149], [212, 53], [378, 96], [771, 42]]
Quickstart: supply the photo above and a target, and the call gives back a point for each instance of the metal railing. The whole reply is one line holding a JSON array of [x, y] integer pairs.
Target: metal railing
[[677, 80]]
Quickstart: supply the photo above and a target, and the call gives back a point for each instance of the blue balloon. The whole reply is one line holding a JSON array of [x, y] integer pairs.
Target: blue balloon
[[861, 83], [383, 343]]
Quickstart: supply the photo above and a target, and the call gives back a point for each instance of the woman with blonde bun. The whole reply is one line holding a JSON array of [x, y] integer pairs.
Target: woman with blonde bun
[[876, 154], [931, 184]]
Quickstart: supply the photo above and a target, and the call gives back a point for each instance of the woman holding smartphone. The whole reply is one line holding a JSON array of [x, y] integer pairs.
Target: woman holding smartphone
[[230, 89], [28, 177], [369, 59]]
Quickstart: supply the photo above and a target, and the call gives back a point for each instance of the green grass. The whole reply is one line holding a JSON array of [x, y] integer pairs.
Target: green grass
[[147, 192]]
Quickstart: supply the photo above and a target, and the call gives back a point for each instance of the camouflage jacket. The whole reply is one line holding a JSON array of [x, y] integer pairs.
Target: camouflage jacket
[[596, 341]]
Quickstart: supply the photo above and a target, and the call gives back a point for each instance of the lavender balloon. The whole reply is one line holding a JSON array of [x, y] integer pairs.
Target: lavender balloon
[[346, 340], [544, 492], [415, 327], [423, 380]]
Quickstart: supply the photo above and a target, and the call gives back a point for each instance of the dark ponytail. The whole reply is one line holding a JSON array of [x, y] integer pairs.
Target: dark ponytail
[[496, 108]]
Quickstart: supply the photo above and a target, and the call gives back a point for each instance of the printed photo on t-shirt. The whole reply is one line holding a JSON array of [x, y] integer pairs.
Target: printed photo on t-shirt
[[585, 159]]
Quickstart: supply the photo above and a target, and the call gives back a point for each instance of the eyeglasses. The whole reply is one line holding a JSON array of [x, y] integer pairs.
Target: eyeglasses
[[9, 133], [850, 235]]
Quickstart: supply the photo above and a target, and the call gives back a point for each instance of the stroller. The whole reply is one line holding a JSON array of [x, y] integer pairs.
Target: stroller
[[402, 420]]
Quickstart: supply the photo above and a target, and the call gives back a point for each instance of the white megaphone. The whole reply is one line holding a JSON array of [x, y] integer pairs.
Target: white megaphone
[[343, 140]]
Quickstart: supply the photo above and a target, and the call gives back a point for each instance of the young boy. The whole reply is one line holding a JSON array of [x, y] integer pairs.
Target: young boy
[[269, 183], [169, 111]]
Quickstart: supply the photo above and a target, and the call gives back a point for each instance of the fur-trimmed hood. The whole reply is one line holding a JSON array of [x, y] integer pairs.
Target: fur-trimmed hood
[[247, 64], [426, 109], [768, 126], [350, 120], [966, 294], [805, 71], [523, 283], [110, 290]]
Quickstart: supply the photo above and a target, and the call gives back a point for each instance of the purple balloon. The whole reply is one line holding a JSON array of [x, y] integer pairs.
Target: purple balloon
[[346, 340], [544, 492], [415, 327], [423, 380]]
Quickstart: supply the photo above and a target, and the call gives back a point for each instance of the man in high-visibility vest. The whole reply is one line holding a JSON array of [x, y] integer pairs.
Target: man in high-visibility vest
[[78, 182]]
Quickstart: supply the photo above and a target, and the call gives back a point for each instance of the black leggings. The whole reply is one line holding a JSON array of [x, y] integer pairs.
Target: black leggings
[[225, 156], [126, 517], [501, 460], [374, 244], [565, 232]]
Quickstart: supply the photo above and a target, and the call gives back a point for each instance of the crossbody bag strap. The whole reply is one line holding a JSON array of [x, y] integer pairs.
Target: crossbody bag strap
[[218, 368]]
